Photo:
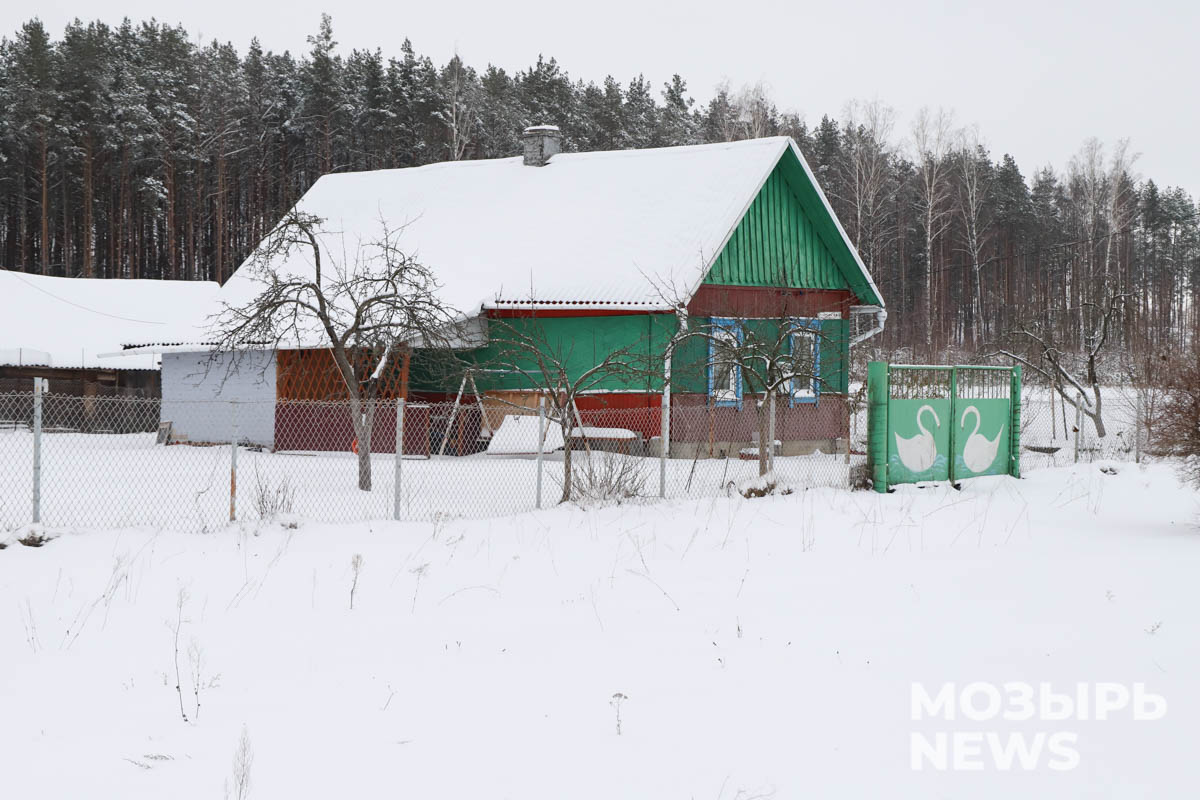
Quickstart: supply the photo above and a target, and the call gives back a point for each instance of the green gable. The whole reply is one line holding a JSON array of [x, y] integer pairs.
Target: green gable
[[788, 238]]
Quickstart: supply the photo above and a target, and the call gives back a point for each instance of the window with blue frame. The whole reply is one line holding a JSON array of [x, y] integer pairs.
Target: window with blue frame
[[805, 346], [724, 374]]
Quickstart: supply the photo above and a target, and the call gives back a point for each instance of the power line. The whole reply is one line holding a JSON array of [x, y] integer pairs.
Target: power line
[[19, 276]]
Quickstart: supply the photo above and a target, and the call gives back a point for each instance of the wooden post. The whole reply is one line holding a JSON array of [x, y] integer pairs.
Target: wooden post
[[453, 414]]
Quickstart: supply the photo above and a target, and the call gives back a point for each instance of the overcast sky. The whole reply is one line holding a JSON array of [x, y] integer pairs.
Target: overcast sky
[[1037, 76]]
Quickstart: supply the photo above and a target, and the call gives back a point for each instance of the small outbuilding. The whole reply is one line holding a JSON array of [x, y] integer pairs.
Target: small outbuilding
[[66, 330]]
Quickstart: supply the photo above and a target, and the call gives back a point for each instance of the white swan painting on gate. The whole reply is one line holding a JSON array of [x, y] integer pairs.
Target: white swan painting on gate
[[978, 452], [919, 452]]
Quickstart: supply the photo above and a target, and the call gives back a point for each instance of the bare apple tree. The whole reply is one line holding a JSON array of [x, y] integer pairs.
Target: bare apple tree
[[546, 365], [1045, 359], [369, 308], [763, 359]]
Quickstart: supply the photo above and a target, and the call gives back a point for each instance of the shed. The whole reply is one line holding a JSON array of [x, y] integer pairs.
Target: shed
[[67, 329]]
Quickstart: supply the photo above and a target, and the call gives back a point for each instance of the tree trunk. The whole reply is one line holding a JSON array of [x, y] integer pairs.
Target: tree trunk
[[219, 244], [929, 281], [363, 421], [567, 464], [172, 259], [45, 249], [89, 270], [65, 247], [763, 445]]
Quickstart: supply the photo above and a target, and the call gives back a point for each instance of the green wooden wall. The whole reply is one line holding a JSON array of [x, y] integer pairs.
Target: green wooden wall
[[578, 342], [689, 368], [776, 244]]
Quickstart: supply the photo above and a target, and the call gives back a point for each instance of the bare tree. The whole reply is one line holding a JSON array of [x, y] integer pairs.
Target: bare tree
[[770, 358], [368, 310], [243, 763], [756, 111], [460, 111], [1050, 362], [973, 200], [933, 137], [522, 348], [1121, 204], [1179, 430], [866, 175]]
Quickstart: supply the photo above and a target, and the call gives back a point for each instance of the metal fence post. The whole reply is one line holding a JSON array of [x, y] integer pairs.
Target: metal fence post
[[877, 409], [1014, 425], [399, 456], [1078, 424], [541, 438], [1137, 428], [37, 450], [953, 416], [233, 453], [664, 433]]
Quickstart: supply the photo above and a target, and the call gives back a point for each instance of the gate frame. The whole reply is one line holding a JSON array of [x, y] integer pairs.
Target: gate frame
[[879, 393]]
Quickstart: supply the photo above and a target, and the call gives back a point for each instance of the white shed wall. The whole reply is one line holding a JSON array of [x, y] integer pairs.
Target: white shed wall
[[198, 392]]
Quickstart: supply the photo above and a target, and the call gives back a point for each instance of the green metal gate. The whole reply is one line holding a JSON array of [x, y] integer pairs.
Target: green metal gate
[[942, 423]]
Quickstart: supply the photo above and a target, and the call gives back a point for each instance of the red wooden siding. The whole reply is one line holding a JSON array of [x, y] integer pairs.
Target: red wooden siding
[[752, 302]]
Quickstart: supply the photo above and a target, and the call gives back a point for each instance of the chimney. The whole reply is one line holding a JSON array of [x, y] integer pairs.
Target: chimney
[[541, 142]]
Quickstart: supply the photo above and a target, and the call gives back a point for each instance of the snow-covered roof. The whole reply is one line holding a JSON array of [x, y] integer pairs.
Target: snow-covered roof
[[70, 322], [596, 230]]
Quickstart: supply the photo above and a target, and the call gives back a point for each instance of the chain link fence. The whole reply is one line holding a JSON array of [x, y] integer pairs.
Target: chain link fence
[[104, 462], [1055, 434]]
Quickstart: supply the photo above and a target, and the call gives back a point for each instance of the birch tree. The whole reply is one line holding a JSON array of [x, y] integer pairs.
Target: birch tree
[[973, 200], [459, 112], [933, 137], [866, 175]]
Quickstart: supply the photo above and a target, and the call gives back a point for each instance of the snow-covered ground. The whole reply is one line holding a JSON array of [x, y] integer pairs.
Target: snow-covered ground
[[763, 648]]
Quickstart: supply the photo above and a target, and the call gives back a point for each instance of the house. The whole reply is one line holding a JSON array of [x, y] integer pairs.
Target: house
[[66, 329], [602, 250]]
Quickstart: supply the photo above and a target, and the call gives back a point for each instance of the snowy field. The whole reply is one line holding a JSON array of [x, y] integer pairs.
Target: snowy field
[[763, 648]]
